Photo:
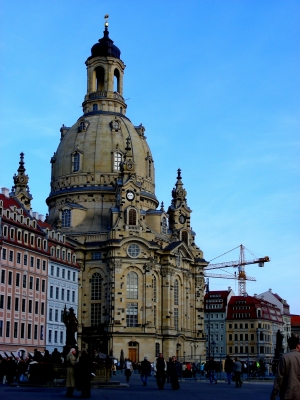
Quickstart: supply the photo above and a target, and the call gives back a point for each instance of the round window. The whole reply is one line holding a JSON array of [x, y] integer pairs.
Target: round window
[[133, 250]]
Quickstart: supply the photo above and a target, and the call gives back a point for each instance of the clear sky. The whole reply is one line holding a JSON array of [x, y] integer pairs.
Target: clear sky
[[215, 83]]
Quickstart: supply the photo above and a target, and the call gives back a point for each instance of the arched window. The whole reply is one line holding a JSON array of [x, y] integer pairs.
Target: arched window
[[116, 80], [117, 161], [66, 218], [99, 81], [176, 292], [154, 290], [96, 286], [184, 237], [132, 286], [164, 226], [76, 162], [132, 217]]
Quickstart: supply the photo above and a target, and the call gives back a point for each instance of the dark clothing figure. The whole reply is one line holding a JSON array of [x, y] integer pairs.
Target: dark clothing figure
[[160, 368], [47, 357], [229, 368], [108, 365], [37, 356], [56, 356], [212, 370], [174, 373], [84, 370], [11, 367], [145, 370]]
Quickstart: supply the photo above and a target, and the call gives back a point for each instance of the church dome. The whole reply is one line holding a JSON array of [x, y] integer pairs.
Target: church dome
[[105, 47], [102, 150]]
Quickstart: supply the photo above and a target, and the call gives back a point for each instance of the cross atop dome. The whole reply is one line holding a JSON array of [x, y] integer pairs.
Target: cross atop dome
[[106, 16]]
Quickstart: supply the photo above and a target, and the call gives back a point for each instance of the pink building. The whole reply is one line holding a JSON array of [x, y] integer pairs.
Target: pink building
[[23, 278]]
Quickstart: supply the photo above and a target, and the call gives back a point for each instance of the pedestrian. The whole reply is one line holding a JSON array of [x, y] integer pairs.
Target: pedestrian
[[212, 370], [108, 365], [160, 368], [287, 379], [128, 369], [145, 370], [229, 368], [70, 381], [114, 369], [85, 371], [237, 368], [174, 368]]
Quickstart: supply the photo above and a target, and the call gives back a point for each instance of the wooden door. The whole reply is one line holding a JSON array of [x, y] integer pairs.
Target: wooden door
[[132, 354]]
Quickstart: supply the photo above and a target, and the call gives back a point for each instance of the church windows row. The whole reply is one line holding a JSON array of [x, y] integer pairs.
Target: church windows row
[[77, 160]]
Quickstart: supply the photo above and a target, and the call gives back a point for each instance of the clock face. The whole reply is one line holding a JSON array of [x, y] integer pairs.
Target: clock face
[[182, 219], [129, 166], [130, 195], [21, 179]]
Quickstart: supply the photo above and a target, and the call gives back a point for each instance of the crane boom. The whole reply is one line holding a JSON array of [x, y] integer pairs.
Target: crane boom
[[211, 275], [237, 263]]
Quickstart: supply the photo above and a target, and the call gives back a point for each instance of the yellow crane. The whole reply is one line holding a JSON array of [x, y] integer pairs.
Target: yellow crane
[[240, 264]]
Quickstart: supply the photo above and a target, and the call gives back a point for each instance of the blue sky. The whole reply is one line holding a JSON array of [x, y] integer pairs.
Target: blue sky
[[215, 83]]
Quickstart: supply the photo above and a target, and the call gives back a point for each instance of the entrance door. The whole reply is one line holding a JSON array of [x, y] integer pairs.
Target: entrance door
[[132, 354]]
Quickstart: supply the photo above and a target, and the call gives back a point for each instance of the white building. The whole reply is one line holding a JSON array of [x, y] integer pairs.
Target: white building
[[62, 288], [282, 304]]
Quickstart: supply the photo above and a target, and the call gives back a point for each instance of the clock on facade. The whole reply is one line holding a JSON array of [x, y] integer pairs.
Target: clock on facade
[[130, 195]]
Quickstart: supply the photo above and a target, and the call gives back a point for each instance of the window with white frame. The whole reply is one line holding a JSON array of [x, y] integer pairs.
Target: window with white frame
[[132, 314], [117, 161], [132, 285], [66, 218]]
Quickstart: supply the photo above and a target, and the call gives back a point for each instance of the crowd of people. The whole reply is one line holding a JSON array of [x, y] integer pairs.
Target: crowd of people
[[82, 367]]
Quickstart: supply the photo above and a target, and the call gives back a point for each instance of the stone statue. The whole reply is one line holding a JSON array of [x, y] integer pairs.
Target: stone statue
[[71, 323]]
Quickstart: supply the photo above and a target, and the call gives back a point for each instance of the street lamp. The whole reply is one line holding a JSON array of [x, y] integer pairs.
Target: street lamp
[[213, 346], [257, 335]]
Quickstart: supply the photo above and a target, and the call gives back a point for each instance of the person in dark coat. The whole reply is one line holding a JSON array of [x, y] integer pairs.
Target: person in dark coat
[[160, 368], [229, 368], [84, 370], [174, 369], [145, 370], [11, 367], [212, 370], [56, 356]]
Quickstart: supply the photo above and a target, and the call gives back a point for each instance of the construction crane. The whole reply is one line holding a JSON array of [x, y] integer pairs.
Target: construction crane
[[240, 264]]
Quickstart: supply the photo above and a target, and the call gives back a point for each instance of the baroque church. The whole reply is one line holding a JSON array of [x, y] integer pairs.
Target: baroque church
[[141, 282]]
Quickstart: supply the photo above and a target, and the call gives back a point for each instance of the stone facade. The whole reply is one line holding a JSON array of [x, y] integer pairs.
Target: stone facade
[[141, 283]]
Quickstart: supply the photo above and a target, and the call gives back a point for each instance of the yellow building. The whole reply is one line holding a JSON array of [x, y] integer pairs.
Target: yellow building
[[141, 282]]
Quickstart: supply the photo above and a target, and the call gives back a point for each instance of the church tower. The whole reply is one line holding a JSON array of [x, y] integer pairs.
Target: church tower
[[141, 281], [20, 190]]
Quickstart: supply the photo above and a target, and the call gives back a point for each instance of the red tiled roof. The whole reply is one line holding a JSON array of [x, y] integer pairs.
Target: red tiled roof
[[295, 320]]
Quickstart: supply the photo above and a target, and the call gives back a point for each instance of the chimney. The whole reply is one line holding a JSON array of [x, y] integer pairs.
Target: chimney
[[270, 290], [229, 288], [35, 215], [5, 191], [41, 217]]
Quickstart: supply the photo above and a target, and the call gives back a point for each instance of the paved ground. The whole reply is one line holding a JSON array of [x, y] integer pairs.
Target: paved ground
[[192, 390]]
